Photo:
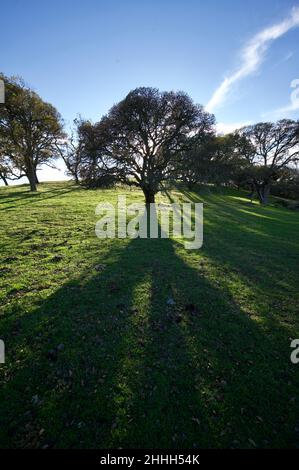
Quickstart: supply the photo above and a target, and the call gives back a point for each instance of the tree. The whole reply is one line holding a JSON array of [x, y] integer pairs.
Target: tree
[[229, 162], [29, 129], [272, 148], [4, 168], [96, 168], [3, 171], [194, 162], [71, 151], [212, 159], [7, 171], [287, 186], [139, 140]]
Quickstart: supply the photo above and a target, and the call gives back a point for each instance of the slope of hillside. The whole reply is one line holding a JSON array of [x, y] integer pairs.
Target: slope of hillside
[[107, 339]]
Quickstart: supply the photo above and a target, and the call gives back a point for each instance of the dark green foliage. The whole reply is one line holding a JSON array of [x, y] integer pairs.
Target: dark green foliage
[[287, 185], [140, 138], [270, 148], [29, 130]]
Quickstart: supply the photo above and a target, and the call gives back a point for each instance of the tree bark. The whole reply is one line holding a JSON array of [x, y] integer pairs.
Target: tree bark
[[32, 178], [263, 192], [266, 193], [76, 178], [30, 171], [4, 179], [149, 196], [251, 194], [36, 178], [32, 183]]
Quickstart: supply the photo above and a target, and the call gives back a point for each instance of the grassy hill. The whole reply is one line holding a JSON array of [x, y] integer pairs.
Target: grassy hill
[[96, 356]]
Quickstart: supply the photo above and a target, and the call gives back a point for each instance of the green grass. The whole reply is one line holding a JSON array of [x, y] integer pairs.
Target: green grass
[[134, 371]]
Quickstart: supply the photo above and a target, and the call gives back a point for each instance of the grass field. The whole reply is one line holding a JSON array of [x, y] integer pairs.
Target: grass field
[[95, 355]]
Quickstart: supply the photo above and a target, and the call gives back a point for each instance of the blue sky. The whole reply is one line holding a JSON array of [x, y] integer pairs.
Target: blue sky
[[83, 56]]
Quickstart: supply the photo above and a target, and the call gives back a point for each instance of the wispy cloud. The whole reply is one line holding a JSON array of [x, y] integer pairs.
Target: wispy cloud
[[288, 56], [285, 111], [253, 55]]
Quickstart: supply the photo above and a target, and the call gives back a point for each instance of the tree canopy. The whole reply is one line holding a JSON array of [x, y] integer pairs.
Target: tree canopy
[[29, 128], [271, 147], [141, 137], [148, 137]]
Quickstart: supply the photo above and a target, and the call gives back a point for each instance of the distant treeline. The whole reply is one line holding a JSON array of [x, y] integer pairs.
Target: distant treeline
[[146, 139]]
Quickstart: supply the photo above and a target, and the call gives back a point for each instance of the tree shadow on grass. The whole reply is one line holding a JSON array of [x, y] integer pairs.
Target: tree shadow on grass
[[145, 351], [206, 374], [29, 197], [252, 243]]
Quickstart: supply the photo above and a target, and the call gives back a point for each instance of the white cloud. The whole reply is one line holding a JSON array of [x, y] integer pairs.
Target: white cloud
[[291, 107], [227, 128], [253, 55]]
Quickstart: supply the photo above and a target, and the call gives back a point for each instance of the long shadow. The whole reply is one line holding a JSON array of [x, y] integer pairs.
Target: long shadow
[[251, 244], [29, 197], [145, 351], [206, 373]]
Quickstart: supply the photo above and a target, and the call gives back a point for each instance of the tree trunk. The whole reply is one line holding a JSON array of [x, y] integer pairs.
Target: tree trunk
[[4, 179], [76, 178], [32, 183], [266, 193], [30, 171], [32, 178], [263, 192], [149, 195], [252, 191]]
